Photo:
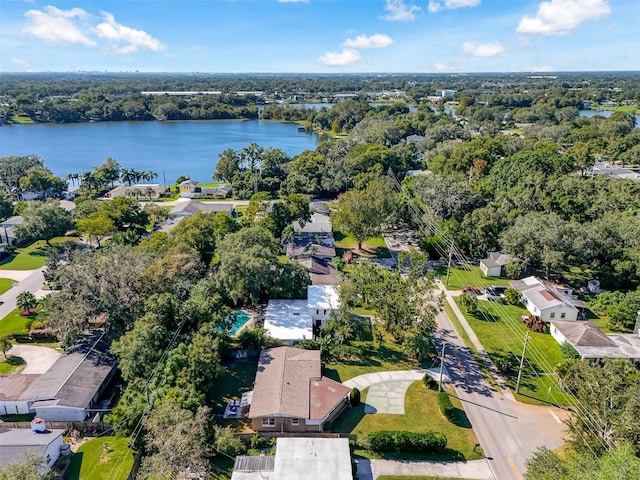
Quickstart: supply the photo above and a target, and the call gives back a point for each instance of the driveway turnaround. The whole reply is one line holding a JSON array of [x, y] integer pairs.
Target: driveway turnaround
[[38, 359], [387, 389]]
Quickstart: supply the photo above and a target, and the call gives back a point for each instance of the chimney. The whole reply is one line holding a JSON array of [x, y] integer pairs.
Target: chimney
[[38, 425]]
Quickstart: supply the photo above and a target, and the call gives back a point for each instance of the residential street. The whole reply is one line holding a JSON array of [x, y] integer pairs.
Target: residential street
[[508, 431], [31, 280]]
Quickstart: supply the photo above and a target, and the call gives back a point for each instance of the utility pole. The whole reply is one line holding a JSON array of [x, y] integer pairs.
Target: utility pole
[[441, 367], [524, 351], [449, 263]]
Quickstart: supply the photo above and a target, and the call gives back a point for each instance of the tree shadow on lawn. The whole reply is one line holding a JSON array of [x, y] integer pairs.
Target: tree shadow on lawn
[[73, 471], [42, 251], [485, 316], [15, 360], [459, 418]]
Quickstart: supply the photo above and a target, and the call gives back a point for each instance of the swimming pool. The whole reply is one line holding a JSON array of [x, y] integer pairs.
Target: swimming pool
[[241, 319]]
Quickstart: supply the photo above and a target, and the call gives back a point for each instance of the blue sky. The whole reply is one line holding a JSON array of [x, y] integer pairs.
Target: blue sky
[[324, 36]]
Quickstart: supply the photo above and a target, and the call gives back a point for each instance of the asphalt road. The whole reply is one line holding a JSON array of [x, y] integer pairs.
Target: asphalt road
[[32, 283], [508, 431]]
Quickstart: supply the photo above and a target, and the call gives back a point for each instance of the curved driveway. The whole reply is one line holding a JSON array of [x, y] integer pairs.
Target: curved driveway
[[363, 381]]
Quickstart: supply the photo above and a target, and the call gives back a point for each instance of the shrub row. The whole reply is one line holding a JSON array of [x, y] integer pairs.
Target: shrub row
[[401, 441], [446, 407]]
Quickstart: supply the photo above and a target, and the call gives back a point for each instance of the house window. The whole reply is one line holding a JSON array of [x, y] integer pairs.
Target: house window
[[553, 315], [268, 422], [563, 315], [295, 422], [318, 312], [325, 312]]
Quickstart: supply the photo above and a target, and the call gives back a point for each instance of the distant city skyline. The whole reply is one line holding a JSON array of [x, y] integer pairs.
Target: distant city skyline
[[320, 36]]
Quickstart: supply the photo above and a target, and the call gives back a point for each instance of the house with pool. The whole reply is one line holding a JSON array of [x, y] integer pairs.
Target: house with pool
[[293, 320]]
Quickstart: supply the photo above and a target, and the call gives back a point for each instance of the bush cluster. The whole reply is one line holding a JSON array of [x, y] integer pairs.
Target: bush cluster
[[401, 441], [354, 397], [535, 324], [430, 382], [446, 407]]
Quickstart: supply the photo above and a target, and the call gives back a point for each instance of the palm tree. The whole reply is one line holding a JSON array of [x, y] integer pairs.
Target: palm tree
[[127, 175], [5, 346], [27, 301], [137, 175], [149, 192], [87, 180], [150, 175]]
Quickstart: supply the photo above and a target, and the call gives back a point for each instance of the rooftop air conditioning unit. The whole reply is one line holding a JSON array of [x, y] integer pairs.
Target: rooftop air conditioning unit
[[38, 425]]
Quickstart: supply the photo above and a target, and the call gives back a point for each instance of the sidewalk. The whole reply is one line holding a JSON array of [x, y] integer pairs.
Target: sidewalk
[[449, 295]]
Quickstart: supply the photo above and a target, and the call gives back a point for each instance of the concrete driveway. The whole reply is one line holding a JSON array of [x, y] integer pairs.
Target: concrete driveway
[[387, 389], [38, 359]]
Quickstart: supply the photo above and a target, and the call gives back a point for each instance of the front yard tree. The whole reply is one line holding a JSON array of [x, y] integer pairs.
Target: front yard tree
[[27, 301], [362, 213], [96, 228], [5, 346], [43, 221], [42, 182]]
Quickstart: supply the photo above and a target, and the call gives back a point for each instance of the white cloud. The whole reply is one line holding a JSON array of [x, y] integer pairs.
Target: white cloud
[[490, 49], [436, 5], [133, 39], [20, 63], [376, 40], [346, 57], [400, 11], [559, 17], [57, 27], [444, 67]]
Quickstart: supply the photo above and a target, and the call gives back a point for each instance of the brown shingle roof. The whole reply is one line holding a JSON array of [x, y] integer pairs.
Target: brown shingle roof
[[289, 383]]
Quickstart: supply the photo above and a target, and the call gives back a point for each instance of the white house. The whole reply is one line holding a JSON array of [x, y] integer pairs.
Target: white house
[[591, 343], [493, 265], [293, 320], [16, 443], [547, 302]]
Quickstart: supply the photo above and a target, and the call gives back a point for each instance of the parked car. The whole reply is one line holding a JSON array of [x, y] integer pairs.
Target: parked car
[[469, 289]]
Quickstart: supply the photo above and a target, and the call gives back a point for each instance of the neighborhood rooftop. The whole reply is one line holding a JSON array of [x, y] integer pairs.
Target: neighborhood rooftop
[[74, 379], [18, 442]]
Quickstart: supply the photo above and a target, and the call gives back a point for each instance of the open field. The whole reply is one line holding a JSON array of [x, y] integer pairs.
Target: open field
[[422, 414]]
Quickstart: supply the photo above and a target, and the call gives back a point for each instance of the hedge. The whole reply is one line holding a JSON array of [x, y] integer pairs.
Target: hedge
[[354, 397], [446, 407], [401, 441]]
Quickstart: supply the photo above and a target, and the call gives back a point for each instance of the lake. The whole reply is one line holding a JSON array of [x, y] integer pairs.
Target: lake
[[175, 148], [603, 113]]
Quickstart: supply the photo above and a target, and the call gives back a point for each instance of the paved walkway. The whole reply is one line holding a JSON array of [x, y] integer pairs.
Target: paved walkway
[[387, 389], [38, 359], [474, 469], [17, 275]]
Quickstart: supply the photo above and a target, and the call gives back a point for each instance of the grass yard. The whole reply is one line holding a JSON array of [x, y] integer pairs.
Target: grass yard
[[33, 256], [103, 458], [502, 335], [388, 356], [372, 247], [13, 323], [468, 275], [422, 414], [22, 119], [5, 284], [12, 364]]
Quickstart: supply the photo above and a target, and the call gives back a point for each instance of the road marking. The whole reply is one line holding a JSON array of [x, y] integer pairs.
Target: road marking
[[513, 467], [557, 419]]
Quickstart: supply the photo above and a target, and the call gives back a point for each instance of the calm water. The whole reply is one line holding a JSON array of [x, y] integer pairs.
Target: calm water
[[603, 113], [177, 148]]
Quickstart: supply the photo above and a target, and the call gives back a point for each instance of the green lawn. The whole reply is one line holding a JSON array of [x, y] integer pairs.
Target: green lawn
[[502, 335], [5, 284], [34, 255], [421, 414], [468, 275], [13, 323], [12, 364], [372, 247], [103, 458], [21, 119], [388, 356]]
